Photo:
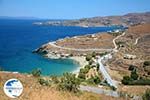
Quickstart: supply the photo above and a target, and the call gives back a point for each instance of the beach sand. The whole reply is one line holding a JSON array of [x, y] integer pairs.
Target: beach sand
[[82, 62]]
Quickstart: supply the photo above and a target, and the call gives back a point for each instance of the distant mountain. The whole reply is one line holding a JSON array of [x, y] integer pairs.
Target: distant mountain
[[125, 20], [19, 18]]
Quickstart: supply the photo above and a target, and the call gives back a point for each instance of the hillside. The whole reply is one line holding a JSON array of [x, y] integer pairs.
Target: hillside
[[125, 20], [34, 91], [136, 42]]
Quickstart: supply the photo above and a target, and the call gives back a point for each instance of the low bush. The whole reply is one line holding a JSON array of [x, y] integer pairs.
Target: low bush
[[90, 62], [36, 72], [126, 80], [69, 83], [102, 54], [146, 63], [132, 67], [88, 57], [134, 75], [146, 95], [94, 54], [94, 80], [54, 79], [81, 75], [43, 81], [140, 82]]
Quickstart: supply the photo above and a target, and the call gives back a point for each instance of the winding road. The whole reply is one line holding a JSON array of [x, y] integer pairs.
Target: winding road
[[136, 41], [74, 49], [102, 68]]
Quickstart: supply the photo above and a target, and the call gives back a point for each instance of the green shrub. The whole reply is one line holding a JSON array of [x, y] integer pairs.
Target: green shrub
[[69, 83], [84, 70], [146, 95], [81, 76], [134, 75], [113, 88], [90, 62], [97, 66], [146, 63], [126, 80], [102, 54], [43, 81], [94, 54], [88, 57], [94, 80], [97, 80], [87, 67], [36, 72], [55, 79], [132, 67], [140, 82]]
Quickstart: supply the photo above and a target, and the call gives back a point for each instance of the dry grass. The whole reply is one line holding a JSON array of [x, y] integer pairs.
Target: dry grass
[[34, 91]]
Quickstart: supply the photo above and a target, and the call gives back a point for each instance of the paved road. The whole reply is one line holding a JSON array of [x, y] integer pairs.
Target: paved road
[[99, 90], [74, 49], [104, 72], [102, 67], [136, 41]]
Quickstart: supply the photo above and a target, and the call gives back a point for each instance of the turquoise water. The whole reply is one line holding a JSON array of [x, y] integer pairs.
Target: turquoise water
[[18, 38]]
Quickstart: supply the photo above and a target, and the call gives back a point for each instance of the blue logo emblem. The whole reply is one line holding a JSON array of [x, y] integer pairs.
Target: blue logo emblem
[[13, 88]]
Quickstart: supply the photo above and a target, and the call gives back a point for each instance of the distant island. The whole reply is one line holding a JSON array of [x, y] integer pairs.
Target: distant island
[[19, 18], [125, 20]]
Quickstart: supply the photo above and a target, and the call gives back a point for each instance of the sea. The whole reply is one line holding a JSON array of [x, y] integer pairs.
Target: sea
[[18, 38]]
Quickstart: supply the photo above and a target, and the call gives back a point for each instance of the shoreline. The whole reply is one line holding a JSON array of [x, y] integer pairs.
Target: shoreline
[[81, 61]]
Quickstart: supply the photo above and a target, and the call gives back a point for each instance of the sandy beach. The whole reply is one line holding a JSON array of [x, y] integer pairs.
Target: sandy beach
[[81, 60]]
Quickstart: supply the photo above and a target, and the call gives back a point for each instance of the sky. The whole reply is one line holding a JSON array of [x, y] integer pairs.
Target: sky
[[71, 9]]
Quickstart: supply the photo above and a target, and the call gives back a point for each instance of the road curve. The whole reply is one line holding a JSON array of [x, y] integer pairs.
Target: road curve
[[114, 40], [102, 68], [74, 49]]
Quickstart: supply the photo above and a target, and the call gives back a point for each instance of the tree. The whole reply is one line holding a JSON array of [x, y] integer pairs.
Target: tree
[[97, 66], [87, 67], [69, 82], [93, 54], [97, 80], [146, 63], [146, 96], [134, 75], [81, 75], [43, 81], [132, 67], [90, 62], [94, 80], [88, 57], [36, 72], [126, 80], [54, 79]]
